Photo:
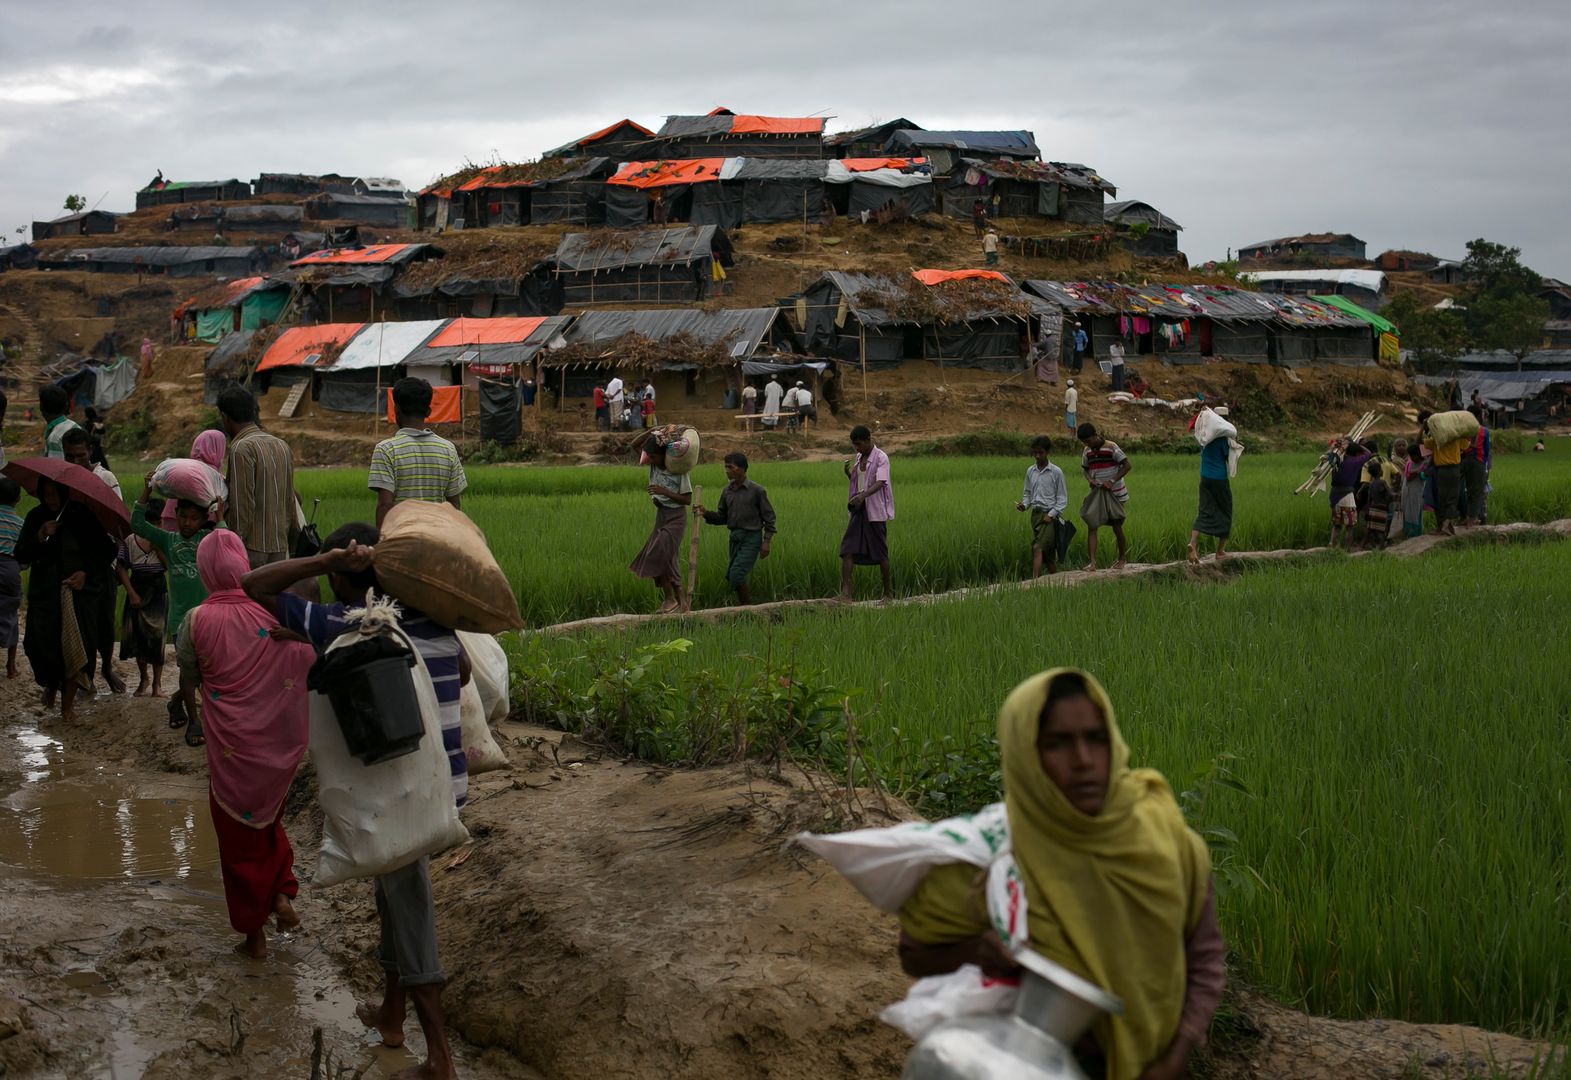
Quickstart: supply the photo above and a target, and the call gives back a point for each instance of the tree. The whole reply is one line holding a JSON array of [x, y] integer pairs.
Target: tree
[[1436, 337], [76, 203], [1504, 310]]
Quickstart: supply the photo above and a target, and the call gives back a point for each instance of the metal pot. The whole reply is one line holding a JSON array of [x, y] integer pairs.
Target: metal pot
[[1054, 1009]]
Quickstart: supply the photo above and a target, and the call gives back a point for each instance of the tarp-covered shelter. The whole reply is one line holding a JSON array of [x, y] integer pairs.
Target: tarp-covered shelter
[[368, 361], [661, 265], [621, 141], [567, 191], [945, 148], [267, 217], [84, 223], [1183, 324], [1142, 228], [1044, 189], [867, 141], [227, 364], [345, 282], [364, 209], [174, 261], [722, 133], [18, 257], [248, 303], [1367, 288], [1530, 397], [968, 318], [161, 192], [304, 184], [1311, 245], [479, 276], [1502, 360]]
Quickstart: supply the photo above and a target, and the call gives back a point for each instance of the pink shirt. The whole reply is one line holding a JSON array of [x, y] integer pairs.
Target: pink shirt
[[880, 504]]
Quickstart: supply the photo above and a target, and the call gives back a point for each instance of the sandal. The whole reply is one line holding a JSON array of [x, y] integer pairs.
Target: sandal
[[193, 734], [176, 711]]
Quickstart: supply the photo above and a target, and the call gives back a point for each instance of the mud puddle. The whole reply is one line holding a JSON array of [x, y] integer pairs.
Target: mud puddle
[[115, 944]]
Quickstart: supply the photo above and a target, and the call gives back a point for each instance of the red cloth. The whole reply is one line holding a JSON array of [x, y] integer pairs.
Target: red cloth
[[257, 864]]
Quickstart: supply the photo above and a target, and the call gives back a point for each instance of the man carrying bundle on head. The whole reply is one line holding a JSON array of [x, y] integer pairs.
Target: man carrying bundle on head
[[416, 463]]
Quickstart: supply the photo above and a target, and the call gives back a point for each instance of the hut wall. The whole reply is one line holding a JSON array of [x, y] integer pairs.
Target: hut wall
[[1292, 346], [572, 202], [718, 203], [765, 201], [1246, 341], [992, 345], [1080, 206], [874, 197], [669, 283], [1347, 345]]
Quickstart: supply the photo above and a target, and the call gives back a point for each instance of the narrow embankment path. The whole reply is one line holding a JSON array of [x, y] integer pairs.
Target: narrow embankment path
[[1207, 569]]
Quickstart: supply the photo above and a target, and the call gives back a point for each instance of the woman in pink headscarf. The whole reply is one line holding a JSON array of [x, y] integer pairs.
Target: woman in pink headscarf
[[208, 448], [254, 715]]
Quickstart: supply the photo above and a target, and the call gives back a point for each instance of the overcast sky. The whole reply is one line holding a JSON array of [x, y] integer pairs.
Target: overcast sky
[[1418, 125]]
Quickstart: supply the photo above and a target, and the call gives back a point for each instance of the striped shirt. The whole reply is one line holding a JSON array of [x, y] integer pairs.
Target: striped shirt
[[261, 475], [54, 435], [10, 529], [416, 464], [1103, 464], [438, 646]]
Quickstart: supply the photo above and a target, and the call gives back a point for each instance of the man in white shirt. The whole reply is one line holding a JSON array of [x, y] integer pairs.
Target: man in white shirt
[[1071, 399], [616, 398], [773, 392], [1115, 354], [805, 408], [788, 404]]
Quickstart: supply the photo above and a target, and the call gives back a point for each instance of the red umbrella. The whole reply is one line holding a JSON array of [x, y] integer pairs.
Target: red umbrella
[[81, 486]]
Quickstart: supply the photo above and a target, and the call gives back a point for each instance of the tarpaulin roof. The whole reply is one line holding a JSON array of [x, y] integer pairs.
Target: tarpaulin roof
[[1373, 280], [1043, 172], [863, 291], [724, 123], [511, 341], [383, 344], [375, 255], [1504, 387], [866, 164], [1012, 143], [291, 348], [228, 354], [887, 128], [175, 185], [227, 294], [158, 256], [607, 250], [1539, 358], [602, 133], [1307, 238], [1133, 211], [1219, 302], [938, 277], [648, 174], [744, 329], [1342, 303]]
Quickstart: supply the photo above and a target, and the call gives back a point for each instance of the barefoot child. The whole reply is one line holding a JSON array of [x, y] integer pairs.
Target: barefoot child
[[1046, 496], [140, 568], [10, 571], [1377, 505], [746, 511], [1105, 467]]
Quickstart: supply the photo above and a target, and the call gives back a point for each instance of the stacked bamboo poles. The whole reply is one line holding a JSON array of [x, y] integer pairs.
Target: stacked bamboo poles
[[1323, 467]]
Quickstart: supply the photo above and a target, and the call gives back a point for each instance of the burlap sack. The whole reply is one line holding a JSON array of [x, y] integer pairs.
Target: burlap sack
[[433, 558]]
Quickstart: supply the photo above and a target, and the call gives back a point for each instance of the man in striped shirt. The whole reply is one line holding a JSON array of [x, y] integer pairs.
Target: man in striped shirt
[[416, 463], [405, 907], [1105, 467], [261, 475]]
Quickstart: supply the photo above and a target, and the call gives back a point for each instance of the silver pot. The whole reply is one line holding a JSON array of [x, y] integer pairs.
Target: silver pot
[[1035, 1042]]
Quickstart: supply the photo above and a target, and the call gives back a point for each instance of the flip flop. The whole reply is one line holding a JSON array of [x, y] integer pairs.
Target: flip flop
[[176, 711]]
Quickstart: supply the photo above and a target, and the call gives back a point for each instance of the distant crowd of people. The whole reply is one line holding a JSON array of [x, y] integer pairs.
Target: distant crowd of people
[[620, 407]]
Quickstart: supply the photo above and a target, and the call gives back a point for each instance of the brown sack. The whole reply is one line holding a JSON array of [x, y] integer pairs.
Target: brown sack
[[433, 558]]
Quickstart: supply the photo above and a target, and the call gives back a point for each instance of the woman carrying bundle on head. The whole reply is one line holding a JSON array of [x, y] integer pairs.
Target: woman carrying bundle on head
[[671, 494]]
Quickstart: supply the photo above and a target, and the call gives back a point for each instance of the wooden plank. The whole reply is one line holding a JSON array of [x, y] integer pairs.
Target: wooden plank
[[292, 402]]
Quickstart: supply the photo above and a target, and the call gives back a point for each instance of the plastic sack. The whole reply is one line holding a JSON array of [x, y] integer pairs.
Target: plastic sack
[[1448, 427], [1209, 427], [377, 818], [488, 662], [189, 479], [1235, 450], [433, 558], [480, 750], [938, 998]]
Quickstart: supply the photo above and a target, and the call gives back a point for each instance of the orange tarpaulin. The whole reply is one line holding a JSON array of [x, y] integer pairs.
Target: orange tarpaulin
[[377, 253], [938, 277], [446, 405], [648, 174], [603, 132], [467, 331], [210, 298], [868, 164], [777, 125], [298, 342]]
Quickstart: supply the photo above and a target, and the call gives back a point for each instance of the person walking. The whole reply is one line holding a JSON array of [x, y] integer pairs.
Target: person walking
[[255, 717], [1046, 497], [1412, 491], [1082, 343], [602, 414], [10, 572], [746, 511], [261, 475], [773, 395], [990, 247], [1477, 458], [140, 566], [871, 507], [77, 445], [805, 408], [1347, 464], [1115, 357], [1445, 460], [146, 370], [1071, 406], [1116, 886], [978, 216], [1105, 467], [616, 400], [208, 447], [671, 494], [416, 463], [1215, 515]]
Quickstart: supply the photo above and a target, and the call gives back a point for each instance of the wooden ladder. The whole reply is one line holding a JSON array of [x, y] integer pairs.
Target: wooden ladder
[[292, 402]]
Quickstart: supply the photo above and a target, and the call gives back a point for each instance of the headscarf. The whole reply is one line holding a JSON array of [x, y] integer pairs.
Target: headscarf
[[209, 447], [1113, 897], [254, 708]]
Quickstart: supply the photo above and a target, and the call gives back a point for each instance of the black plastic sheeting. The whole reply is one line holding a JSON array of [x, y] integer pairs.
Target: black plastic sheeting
[[628, 207], [499, 416], [354, 391], [871, 197], [717, 204], [1248, 342], [992, 346]]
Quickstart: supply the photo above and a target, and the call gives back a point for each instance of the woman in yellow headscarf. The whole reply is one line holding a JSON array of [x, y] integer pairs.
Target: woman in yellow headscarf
[[1118, 888]]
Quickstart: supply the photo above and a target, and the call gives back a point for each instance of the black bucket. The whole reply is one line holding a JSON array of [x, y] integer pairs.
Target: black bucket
[[373, 696]]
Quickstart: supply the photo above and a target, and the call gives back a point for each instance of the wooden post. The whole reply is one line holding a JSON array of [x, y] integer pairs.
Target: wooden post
[[692, 551], [861, 333]]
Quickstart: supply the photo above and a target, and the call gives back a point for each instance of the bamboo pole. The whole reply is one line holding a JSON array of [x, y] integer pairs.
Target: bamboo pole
[[692, 551]]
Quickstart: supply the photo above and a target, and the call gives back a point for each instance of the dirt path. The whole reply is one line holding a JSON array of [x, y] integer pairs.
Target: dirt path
[[1208, 566]]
